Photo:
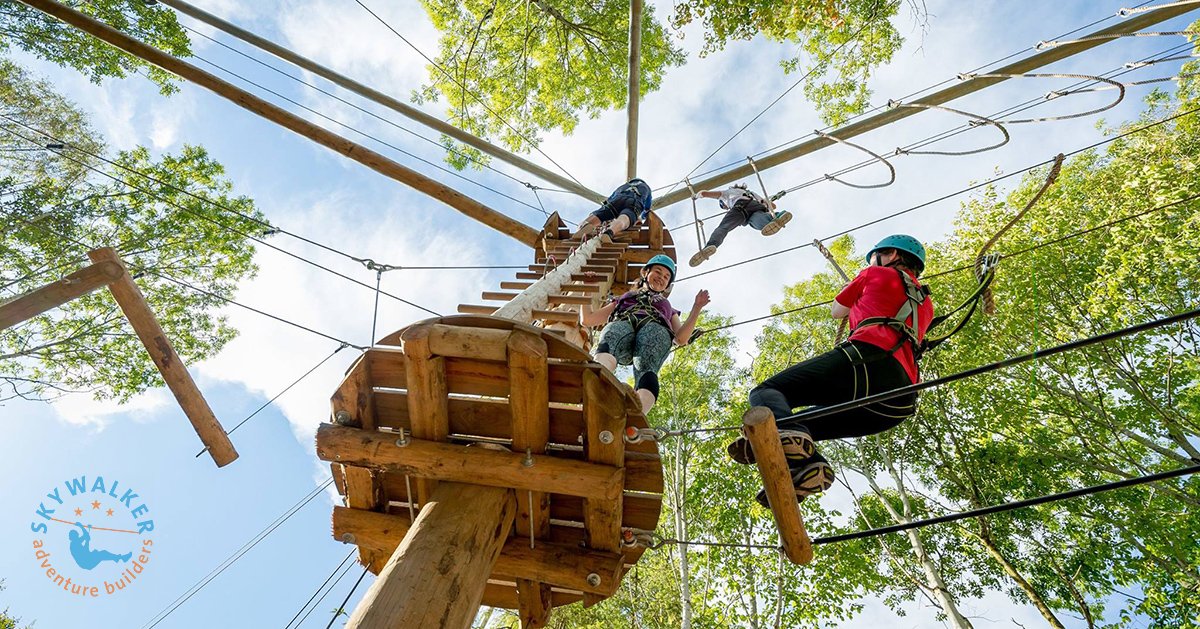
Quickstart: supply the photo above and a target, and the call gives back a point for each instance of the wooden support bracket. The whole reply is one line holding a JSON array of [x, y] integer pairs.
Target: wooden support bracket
[[55, 294]]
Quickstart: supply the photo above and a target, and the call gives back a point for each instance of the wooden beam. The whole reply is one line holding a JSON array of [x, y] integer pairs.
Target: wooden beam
[[534, 601], [364, 491], [353, 402], [443, 461], [635, 90], [361, 154], [55, 294], [758, 424], [1085, 41], [427, 393], [438, 573], [176, 376], [555, 563], [468, 342], [529, 400]]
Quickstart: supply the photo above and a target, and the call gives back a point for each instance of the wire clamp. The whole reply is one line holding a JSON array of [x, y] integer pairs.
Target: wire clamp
[[638, 435]]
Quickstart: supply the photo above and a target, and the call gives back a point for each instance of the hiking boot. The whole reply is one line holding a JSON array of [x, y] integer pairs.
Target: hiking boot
[[774, 226], [810, 479], [798, 448], [702, 255]]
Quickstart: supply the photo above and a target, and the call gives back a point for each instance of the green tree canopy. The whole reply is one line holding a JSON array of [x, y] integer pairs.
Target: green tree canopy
[[55, 204], [50, 39]]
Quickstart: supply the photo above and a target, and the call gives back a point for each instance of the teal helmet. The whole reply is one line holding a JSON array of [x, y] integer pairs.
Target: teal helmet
[[662, 261], [905, 243]]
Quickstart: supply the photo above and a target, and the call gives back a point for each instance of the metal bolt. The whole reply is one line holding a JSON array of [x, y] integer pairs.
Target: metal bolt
[[606, 436], [348, 538], [593, 579], [528, 460], [342, 417], [403, 440]]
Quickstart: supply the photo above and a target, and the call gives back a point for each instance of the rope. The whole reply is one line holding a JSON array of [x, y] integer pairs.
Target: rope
[[1143, 9], [877, 156], [1043, 45], [976, 120], [1053, 75]]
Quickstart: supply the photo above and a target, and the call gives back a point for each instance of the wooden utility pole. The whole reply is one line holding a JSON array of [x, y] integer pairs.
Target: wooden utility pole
[[635, 91], [383, 99], [969, 86], [244, 99]]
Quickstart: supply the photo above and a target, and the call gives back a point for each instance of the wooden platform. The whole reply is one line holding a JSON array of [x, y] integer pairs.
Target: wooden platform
[[492, 402]]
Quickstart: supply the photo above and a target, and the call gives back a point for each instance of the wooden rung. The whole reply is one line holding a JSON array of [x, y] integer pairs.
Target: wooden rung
[[580, 288], [559, 300], [526, 275], [557, 316], [496, 296], [515, 285], [595, 278], [758, 424], [595, 268], [474, 309]]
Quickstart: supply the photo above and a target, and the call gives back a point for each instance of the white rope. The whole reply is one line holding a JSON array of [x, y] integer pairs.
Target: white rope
[[877, 156], [976, 120], [1052, 95]]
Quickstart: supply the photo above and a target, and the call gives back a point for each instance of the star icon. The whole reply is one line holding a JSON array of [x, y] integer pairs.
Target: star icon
[[96, 504], [78, 511], [109, 512]]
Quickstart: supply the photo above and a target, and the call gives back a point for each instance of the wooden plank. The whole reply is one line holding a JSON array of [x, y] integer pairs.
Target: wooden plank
[[559, 316], [491, 295], [478, 417], [529, 399], [515, 285], [176, 376], [564, 300], [758, 424], [603, 414], [564, 565], [476, 309], [443, 461], [55, 294], [436, 576], [357, 152], [352, 403], [363, 491], [427, 392]]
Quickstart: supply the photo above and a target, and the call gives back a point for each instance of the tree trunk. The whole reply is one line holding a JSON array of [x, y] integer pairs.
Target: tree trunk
[[681, 532], [985, 537], [933, 577]]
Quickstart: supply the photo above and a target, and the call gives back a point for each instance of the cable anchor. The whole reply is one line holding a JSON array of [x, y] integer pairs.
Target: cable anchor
[[634, 434]]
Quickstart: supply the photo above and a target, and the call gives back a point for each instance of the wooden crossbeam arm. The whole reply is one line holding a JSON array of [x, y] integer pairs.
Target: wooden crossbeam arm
[[55, 294], [385, 100], [371, 159], [758, 424], [450, 462], [1022, 66], [178, 380]]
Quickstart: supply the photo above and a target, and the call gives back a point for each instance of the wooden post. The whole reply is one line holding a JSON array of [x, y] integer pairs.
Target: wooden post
[[428, 408], [635, 91], [55, 294], [385, 100], [437, 575], [282, 117], [758, 424], [133, 304], [602, 516]]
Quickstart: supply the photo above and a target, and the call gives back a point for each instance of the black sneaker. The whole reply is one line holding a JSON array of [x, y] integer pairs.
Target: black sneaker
[[798, 447], [810, 479]]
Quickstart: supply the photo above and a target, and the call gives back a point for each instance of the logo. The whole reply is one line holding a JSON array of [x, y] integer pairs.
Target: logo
[[92, 537]]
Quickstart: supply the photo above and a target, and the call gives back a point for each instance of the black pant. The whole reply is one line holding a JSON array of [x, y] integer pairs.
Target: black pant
[[849, 371], [740, 214]]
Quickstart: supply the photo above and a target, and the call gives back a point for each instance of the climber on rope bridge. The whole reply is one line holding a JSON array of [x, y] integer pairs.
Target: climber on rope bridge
[[889, 311], [742, 207], [640, 326], [625, 207]]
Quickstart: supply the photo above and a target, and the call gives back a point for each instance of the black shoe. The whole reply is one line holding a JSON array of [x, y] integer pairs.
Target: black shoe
[[798, 447]]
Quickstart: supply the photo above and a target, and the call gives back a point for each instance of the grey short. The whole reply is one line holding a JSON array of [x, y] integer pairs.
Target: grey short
[[646, 350]]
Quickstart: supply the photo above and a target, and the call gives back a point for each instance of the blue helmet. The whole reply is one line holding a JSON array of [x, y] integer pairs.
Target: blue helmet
[[905, 243], [663, 261]]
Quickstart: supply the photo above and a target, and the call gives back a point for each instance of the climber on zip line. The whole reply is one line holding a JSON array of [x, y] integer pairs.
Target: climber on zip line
[[625, 207], [889, 313], [641, 325], [742, 207]]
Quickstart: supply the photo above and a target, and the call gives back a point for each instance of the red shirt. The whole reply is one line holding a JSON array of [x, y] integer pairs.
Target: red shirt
[[878, 291]]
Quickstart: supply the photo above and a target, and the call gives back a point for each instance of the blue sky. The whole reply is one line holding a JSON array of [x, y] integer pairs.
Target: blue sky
[[204, 514]]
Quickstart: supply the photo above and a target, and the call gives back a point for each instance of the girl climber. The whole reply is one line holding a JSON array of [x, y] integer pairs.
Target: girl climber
[[742, 207], [625, 207], [641, 325], [889, 313]]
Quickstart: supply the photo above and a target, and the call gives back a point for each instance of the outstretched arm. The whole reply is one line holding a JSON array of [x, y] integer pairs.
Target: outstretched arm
[[683, 333], [837, 310], [708, 194], [592, 318]]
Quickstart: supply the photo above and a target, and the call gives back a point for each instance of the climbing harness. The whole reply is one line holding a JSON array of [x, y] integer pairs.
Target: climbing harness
[[915, 295]]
